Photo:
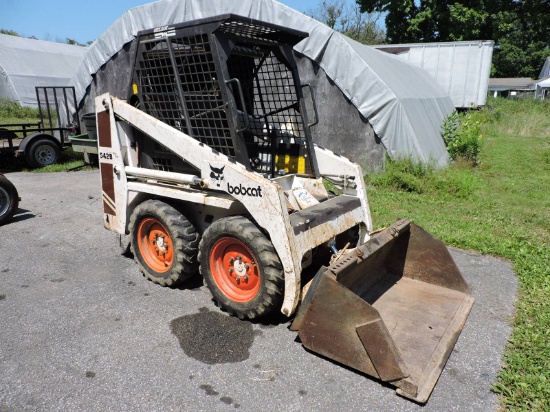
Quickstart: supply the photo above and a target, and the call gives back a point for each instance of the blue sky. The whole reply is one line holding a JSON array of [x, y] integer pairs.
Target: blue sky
[[56, 20]]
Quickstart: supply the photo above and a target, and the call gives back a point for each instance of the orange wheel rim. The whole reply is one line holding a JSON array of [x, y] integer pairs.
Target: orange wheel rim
[[155, 245], [235, 269]]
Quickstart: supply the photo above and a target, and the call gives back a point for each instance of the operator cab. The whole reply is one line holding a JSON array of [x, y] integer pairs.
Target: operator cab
[[231, 83]]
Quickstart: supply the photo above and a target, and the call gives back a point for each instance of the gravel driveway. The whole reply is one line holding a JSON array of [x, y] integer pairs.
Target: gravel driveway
[[82, 329]]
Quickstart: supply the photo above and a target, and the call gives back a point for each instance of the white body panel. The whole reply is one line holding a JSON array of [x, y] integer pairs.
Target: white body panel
[[462, 69], [235, 191]]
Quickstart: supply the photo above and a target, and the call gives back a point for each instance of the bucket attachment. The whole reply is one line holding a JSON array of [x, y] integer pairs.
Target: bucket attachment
[[393, 308]]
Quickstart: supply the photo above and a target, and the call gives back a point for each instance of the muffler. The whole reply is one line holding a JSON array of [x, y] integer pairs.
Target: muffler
[[393, 308]]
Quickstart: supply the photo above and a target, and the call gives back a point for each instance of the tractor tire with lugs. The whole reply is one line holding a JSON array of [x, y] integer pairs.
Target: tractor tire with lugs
[[241, 268], [164, 243]]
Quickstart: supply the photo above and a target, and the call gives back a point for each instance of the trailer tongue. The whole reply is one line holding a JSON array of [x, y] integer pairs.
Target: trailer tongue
[[393, 308]]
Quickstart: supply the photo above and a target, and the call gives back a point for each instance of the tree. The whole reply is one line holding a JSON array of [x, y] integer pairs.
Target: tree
[[347, 18], [73, 42], [427, 20], [520, 29], [9, 32], [524, 39], [47, 37]]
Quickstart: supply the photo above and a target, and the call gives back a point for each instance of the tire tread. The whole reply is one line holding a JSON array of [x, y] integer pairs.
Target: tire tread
[[271, 297], [185, 240]]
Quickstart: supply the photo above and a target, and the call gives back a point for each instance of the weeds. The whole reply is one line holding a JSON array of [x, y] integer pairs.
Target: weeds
[[524, 117], [462, 135], [414, 177], [10, 109]]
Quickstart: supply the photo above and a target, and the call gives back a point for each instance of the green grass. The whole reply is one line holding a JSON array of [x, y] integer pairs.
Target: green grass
[[501, 208], [13, 112]]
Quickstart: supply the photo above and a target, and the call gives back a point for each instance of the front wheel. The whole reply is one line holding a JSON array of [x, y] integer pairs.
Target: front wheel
[[42, 152], [164, 243], [9, 200], [241, 268]]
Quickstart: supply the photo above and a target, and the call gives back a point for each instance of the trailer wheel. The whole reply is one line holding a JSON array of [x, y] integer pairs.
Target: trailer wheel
[[42, 152], [9, 200], [164, 243], [241, 268]]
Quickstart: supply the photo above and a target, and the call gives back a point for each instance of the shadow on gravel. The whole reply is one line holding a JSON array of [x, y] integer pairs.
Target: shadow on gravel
[[21, 215]]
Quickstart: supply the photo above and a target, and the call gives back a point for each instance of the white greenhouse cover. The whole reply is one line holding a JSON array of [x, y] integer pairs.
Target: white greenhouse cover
[[400, 101], [27, 63]]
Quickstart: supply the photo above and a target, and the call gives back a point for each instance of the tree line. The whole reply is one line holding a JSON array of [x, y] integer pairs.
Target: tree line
[[67, 40], [520, 29]]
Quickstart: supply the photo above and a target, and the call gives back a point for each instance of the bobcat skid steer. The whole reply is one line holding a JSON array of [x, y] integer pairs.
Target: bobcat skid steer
[[209, 166]]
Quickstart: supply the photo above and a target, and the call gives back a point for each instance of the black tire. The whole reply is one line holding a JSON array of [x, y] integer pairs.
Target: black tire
[[42, 152], [249, 287], [9, 200], [172, 259]]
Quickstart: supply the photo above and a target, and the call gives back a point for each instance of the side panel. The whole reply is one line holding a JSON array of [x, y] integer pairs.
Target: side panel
[[462, 68], [334, 166], [111, 166]]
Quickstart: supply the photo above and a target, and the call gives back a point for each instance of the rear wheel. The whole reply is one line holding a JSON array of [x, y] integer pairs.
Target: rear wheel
[[9, 200], [241, 268], [42, 152], [164, 243]]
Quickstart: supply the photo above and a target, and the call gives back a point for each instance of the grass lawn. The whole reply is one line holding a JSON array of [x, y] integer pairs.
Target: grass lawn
[[500, 207]]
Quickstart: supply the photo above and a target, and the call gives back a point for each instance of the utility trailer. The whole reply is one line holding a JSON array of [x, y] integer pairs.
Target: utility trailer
[[41, 143], [209, 167]]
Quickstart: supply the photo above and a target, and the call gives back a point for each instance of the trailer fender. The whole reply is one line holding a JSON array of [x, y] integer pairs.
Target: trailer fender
[[32, 137]]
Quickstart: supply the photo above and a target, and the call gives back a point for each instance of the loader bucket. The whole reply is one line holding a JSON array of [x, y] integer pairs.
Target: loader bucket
[[393, 308]]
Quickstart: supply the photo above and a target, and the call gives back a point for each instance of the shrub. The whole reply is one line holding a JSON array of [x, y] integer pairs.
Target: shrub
[[462, 135]]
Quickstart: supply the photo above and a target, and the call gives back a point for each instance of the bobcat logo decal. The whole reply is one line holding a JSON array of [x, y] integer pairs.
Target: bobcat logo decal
[[216, 174]]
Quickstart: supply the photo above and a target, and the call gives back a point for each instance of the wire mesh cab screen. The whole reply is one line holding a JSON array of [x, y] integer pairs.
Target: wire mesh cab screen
[[231, 83]]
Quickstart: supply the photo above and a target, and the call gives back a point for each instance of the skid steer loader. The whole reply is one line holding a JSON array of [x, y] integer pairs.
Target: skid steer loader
[[209, 166]]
